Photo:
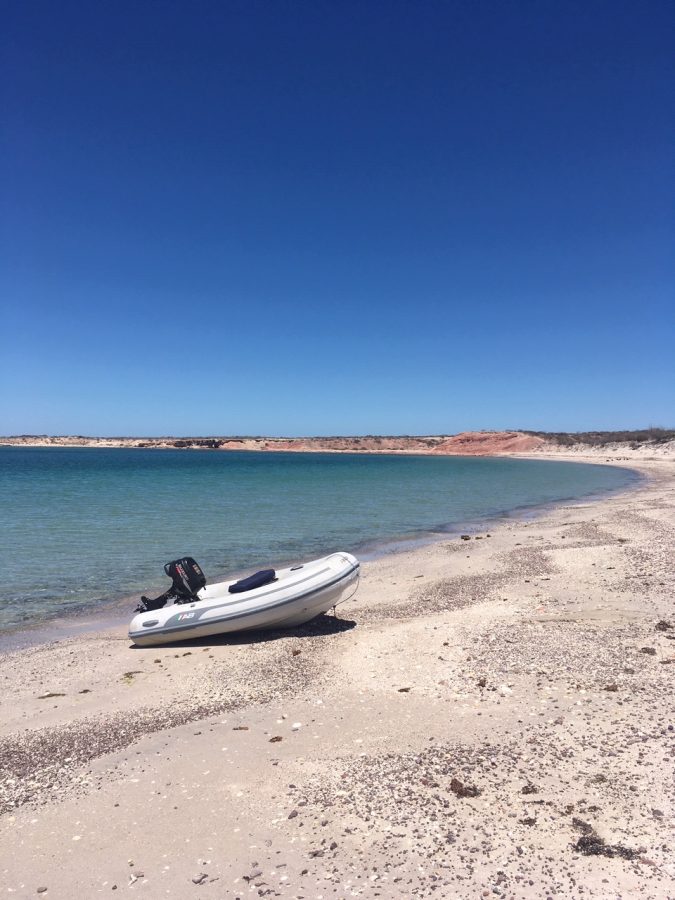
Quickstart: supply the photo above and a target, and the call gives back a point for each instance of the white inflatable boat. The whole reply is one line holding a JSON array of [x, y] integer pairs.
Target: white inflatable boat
[[288, 597]]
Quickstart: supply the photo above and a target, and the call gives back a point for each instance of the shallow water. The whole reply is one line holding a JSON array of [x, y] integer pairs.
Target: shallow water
[[79, 525]]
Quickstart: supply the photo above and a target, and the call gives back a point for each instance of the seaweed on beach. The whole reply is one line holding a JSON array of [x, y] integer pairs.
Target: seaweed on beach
[[591, 844], [459, 789]]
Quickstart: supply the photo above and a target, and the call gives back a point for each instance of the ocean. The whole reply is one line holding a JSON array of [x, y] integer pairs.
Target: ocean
[[81, 527]]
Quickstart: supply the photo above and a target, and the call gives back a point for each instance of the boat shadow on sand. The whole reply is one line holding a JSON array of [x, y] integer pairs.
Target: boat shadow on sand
[[323, 626]]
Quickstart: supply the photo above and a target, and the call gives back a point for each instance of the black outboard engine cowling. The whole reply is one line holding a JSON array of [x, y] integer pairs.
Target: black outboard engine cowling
[[187, 578]]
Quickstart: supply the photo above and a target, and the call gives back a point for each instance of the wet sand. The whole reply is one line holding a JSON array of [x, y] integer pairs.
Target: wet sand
[[488, 717]]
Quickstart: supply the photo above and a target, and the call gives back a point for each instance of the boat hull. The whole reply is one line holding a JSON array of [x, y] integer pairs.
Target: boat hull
[[297, 596]]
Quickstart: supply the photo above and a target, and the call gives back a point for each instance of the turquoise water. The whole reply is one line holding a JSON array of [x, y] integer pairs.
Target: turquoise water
[[82, 525]]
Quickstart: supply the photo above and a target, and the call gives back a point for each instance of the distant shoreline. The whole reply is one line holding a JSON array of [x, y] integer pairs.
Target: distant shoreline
[[652, 443]]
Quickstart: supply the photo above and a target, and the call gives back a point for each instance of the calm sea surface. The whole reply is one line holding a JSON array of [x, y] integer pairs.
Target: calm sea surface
[[80, 526]]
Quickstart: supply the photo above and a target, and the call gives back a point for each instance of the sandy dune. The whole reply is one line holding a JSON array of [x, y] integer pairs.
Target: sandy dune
[[489, 443]]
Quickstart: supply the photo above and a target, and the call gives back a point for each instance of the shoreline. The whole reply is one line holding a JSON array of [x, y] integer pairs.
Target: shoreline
[[624, 445], [475, 712], [109, 613]]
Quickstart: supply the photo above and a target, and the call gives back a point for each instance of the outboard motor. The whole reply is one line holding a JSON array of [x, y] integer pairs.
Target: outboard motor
[[187, 578]]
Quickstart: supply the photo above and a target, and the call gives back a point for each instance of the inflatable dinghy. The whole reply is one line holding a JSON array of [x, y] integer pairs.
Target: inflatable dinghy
[[267, 599]]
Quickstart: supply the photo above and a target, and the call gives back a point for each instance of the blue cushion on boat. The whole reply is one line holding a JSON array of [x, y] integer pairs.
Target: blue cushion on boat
[[265, 576]]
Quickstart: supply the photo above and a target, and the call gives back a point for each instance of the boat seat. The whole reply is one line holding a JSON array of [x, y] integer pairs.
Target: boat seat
[[258, 579]]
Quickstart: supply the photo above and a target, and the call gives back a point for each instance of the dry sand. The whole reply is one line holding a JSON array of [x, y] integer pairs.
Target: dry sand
[[488, 718]]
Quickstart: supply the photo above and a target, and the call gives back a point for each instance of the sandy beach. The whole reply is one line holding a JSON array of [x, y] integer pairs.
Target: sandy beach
[[490, 717]]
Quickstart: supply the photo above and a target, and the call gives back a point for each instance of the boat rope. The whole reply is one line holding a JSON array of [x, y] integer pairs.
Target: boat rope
[[345, 599]]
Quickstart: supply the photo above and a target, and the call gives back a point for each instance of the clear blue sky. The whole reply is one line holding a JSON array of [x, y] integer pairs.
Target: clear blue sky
[[345, 217]]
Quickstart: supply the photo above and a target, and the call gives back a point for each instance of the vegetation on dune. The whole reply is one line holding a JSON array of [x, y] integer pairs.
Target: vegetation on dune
[[601, 438]]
